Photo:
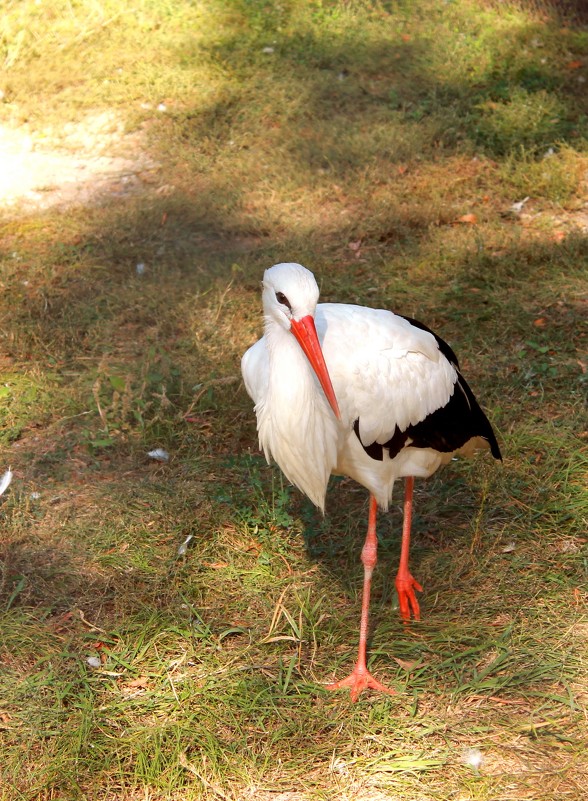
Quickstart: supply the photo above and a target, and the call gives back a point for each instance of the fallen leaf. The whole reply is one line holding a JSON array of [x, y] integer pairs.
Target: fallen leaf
[[558, 236], [405, 664], [118, 548], [575, 65], [141, 682], [501, 620], [470, 219], [539, 322]]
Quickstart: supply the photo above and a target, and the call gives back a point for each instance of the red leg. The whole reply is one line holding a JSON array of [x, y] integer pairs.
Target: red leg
[[360, 678], [405, 583]]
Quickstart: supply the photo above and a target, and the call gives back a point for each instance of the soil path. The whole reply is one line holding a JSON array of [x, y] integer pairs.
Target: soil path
[[82, 163]]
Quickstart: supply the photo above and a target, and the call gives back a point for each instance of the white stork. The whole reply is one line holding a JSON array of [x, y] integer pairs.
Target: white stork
[[363, 393]]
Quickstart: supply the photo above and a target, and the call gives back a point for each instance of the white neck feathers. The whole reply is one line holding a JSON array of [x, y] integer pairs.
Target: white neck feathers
[[296, 425]]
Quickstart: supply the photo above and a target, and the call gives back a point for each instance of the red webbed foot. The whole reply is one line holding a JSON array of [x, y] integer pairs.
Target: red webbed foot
[[360, 679]]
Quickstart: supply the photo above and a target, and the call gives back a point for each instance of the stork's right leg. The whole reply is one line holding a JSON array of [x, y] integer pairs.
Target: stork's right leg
[[360, 678]]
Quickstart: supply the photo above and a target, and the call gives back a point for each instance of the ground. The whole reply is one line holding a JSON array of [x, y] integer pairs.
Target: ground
[[169, 625], [84, 162]]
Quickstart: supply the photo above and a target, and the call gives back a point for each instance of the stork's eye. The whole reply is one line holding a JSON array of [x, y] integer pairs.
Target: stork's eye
[[281, 298]]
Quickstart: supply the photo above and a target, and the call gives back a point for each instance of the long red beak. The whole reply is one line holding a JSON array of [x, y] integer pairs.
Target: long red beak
[[305, 332]]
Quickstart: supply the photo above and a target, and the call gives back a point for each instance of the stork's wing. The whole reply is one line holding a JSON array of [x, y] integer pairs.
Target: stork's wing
[[387, 373]]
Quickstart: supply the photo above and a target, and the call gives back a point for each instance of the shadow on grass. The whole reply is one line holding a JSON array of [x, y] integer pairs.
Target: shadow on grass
[[495, 93], [570, 12], [81, 312]]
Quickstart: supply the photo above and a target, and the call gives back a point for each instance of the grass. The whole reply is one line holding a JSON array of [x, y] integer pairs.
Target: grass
[[383, 145]]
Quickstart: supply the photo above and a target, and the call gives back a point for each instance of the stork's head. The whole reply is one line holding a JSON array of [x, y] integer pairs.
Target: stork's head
[[290, 295], [290, 292]]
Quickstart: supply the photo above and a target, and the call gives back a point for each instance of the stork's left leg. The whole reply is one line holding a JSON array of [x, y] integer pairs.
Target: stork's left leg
[[360, 678], [405, 583]]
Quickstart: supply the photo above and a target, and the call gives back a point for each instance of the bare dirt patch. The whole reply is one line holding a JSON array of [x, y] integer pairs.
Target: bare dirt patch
[[84, 162]]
